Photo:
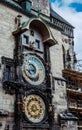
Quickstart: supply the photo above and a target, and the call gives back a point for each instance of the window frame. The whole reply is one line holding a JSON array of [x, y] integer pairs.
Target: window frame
[[26, 41], [37, 44]]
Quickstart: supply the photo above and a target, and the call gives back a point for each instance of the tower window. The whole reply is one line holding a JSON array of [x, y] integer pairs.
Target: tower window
[[25, 39], [7, 72], [37, 44], [63, 50]]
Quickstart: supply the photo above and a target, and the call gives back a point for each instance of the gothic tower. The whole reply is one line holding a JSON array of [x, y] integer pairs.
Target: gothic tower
[[36, 44]]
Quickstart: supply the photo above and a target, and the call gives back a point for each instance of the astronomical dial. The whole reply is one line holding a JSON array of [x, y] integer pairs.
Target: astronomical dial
[[33, 70], [34, 108]]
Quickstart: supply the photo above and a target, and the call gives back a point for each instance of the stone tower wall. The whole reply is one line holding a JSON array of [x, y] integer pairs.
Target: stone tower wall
[[44, 6]]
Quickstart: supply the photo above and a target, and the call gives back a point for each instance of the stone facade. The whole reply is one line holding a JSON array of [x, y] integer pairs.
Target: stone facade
[[58, 84], [43, 6]]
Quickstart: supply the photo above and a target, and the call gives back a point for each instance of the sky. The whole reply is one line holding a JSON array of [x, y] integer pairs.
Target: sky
[[71, 10]]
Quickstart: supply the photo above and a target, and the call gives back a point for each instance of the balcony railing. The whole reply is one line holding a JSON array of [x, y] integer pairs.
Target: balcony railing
[[75, 108], [79, 126], [74, 91]]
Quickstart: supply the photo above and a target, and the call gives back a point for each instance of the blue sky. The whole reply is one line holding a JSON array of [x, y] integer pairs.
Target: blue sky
[[76, 5], [71, 10]]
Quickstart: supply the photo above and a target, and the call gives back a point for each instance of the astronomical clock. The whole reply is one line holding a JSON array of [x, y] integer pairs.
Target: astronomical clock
[[33, 82], [33, 70], [35, 108]]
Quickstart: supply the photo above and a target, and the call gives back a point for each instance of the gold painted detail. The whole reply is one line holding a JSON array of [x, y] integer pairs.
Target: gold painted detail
[[34, 107]]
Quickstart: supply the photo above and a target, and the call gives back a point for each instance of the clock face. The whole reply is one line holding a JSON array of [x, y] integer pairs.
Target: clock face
[[33, 70], [34, 108]]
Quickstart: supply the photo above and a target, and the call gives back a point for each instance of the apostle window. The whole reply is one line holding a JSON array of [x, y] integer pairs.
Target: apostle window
[[37, 44], [25, 39]]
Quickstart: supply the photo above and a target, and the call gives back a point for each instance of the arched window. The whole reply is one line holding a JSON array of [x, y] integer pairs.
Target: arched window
[[63, 50]]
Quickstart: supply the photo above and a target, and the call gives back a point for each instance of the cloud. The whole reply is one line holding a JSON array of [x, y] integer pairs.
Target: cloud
[[73, 17], [66, 2]]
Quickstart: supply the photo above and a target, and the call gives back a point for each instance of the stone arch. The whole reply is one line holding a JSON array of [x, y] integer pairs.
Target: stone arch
[[43, 29]]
